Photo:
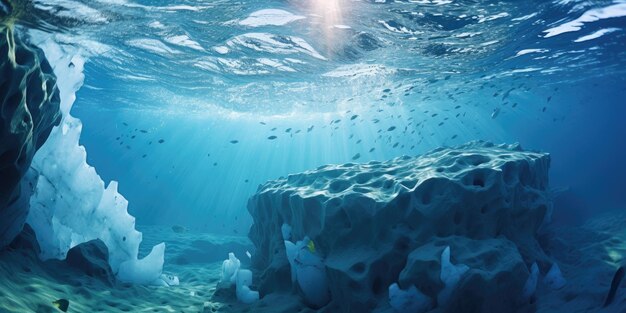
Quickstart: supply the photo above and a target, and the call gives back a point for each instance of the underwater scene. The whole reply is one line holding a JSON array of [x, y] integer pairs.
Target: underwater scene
[[299, 156]]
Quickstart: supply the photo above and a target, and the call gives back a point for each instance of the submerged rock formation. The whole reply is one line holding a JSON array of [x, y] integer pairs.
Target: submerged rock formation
[[29, 109], [381, 223], [92, 258]]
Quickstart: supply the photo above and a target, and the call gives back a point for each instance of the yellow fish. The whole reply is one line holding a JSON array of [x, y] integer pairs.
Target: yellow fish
[[61, 304], [311, 246]]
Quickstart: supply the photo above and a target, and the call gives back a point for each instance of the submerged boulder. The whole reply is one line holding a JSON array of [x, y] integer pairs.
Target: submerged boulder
[[26, 241], [29, 109], [91, 258], [381, 223]]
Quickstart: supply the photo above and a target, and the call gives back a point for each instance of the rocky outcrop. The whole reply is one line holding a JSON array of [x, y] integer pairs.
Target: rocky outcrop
[[379, 223], [92, 258], [29, 108]]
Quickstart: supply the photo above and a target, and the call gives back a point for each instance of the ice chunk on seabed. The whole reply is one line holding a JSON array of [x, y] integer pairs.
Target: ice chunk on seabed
[[307, 269], [233, 273], [450, 275], [70, 204]]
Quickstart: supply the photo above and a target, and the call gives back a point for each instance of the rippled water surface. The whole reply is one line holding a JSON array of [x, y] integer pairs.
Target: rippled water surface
[[245, 91], [316, 55]]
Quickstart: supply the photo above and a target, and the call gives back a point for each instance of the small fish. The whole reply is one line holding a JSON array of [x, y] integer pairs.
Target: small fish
[[356, 156], [144, 131], [234, 141], [354, 117], [161, 141], [311, 246], [288, 130], [272, 137], [391, 128], [372, 150], [310, 128], [61, 304], [262, 123], [495, 113]]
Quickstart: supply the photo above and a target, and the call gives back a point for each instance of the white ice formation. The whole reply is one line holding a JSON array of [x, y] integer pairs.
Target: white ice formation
[[531, 283], [450, 276], [70, 204], [232, 273]]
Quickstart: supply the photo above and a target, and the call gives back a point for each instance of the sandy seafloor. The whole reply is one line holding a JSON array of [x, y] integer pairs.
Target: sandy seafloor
[[588, 256]]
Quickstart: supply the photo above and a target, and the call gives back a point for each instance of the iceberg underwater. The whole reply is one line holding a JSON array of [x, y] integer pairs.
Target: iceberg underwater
[[312, 156]]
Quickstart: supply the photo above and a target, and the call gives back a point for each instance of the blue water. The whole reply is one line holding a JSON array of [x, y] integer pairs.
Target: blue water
[[200, 74]]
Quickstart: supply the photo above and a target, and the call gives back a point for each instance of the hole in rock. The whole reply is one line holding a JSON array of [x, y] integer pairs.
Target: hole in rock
[[339, 185], [478, 181], [402, 244], [358, 267], [377, 286]]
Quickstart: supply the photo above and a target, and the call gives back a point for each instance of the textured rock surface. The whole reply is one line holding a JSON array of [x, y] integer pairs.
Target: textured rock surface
[[382, 222], [26, 240], [29, 108], [92, 258]]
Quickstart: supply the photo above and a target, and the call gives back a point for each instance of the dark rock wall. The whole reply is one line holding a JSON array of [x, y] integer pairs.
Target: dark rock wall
[[29, 109]]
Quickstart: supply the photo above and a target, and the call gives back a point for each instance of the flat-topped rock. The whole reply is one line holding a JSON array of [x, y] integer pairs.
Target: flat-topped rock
[[367, 219]]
